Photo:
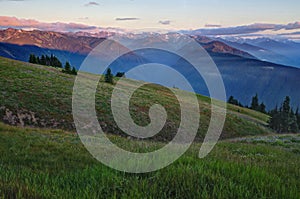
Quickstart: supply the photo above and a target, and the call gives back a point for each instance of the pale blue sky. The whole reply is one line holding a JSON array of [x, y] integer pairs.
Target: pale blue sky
[[181, 14]]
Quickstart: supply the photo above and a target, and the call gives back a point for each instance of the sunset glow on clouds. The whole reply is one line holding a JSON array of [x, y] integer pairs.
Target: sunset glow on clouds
[[14, 22], [181, 14], [290, 29], [215, 17]]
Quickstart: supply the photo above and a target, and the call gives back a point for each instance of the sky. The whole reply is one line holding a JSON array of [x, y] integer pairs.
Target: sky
[[156, 14]]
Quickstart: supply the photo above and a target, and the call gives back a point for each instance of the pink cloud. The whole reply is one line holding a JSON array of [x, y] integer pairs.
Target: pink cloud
[[14, 22], [247, 29], [292, 26]]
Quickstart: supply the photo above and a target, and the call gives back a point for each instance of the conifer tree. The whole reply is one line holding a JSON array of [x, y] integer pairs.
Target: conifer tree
[[67, 68], [293, 125], [38, 61], [286, 109], [262, 108], [285, 119], [43, 60], [109, 76], [120, 74], [297, 114], [255, 103], [74, 71], [32, 59]]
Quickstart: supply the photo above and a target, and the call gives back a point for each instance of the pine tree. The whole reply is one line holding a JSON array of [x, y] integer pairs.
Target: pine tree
[[51, 60], [43, 60], [67, 68], [120, 74], [293, 125], [297, 114], [74, 72], [234, 101], [255, 103], [38, 61], [284, 120], [231, 100], [55, 62], [274, 122], [262, 108], [109, 76], [32, 59], [48, 62], [58, 63], [286, 109]]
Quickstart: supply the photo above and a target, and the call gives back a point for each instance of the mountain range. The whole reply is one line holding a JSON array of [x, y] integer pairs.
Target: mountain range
[[247, 67], [285, 52]]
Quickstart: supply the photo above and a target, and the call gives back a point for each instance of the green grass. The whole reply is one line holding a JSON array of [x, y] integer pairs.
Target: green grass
[[45, 94], [53, 163], [37, 163]]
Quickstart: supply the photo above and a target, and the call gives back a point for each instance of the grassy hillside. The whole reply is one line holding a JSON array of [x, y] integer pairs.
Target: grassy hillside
[[40, 96], [47, 162], [36, 163]]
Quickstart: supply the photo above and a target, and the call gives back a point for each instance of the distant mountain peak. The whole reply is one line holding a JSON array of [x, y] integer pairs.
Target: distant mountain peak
[[83, 42], [220, 47], [50, 39]]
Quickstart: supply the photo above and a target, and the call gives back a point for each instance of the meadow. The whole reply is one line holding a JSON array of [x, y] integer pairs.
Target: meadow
[[39, 163], [43, 95], [41, 156]]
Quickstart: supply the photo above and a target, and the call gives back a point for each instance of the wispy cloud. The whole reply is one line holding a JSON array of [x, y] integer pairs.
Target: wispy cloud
[[291, 33], [245, 30], [12, 0], [248, 29], [293, 26], [83, 18], [212, 26], [91, 3], [127, 19], [14, 22], [165, 22]]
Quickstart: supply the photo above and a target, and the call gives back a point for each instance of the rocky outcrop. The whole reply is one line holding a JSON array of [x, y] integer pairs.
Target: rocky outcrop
[[24, 118]]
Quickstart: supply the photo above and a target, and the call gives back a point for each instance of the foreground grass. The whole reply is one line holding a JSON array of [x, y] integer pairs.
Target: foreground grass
[[36, 163]]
